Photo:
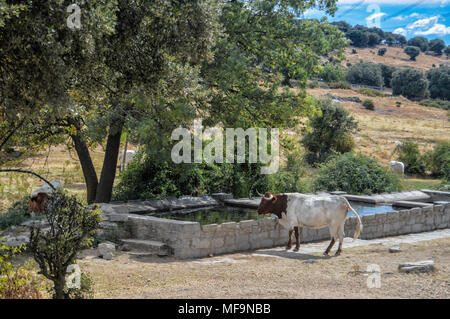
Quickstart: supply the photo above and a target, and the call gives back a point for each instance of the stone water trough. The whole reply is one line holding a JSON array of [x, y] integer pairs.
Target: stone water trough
[[143, 235]]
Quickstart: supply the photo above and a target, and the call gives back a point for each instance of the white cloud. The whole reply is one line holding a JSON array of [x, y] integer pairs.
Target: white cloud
[[375, 16], [423, 23], [438, 29], [400, 31], [390, 2]]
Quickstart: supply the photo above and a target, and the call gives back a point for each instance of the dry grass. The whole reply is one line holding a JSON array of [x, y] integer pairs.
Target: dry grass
[[394, 57], [242, 275]]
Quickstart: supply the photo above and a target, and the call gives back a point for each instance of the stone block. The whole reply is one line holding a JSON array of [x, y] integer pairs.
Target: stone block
[[229, 227], [419, 266], [211, 228], [201, 243]]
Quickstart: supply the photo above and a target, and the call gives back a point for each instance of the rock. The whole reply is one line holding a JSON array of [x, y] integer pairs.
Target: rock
[[310, 261], [106, 250], [395, 249], [419, 266]]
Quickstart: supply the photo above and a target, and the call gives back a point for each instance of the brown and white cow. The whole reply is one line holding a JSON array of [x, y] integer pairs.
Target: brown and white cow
[[295, 210], [41, 195]]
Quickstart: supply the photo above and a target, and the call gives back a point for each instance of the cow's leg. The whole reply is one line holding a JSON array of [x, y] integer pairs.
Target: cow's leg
[[289, 245], [297, 239], [341, 240], [329, 246]]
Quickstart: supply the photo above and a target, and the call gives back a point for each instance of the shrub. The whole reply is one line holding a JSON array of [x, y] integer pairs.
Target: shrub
[[382, 51], [371, 92], [365, 73], [398, 103], [339, 85], [438, 160], [410, 155], [71, 226], [439, 82], [447, 51], [15, 215], [21, 282], [368, 104], [419, 42], [313, 85], [332, 73], [437, 45], [410, 83], [440, 104], [85, 291], [354, 51], [413, 52], [355, 174], [328, 131], [386, 73]]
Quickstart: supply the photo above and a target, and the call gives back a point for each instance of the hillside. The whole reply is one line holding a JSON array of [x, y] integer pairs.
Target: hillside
[[394, 57]]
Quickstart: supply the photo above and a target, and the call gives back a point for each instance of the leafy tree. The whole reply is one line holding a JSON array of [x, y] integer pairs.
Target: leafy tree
[[365, 73], [410, 83], [382, 51], [71, 226], [386, 72], [439, 82], [327, 131], [437, 45], [438, 160], [413, 52], [420, 42], [447, 51], [355, 174], [409, 154], [332, 73], [373, 39], [359, 38]]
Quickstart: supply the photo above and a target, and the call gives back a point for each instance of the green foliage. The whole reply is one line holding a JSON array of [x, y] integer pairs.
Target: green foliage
[[437, 45], [409, 155], [382, 51], [419, 42], [371, 92], [439, 104], [413, 52], [438, 160], [72, 226], [439, 82], [366, 73], [332, 73], [313, 84], [86, 291], [18, 282], [355, 174], [15, 215], [327, 132], [368, 104], [447, 51], [339, 85], [386, 73], [410, 83]]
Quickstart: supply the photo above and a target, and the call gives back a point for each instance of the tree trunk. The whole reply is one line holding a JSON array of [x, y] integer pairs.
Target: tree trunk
[[59, 284], [90, 176], [104, 189]]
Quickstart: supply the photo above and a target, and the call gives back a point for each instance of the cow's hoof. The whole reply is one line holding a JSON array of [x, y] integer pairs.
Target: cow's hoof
[[287, 248], [338, 253], [296, 248], [325, 253]]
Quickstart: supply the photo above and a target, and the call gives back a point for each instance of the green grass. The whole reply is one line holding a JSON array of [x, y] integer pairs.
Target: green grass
[[413, 183]]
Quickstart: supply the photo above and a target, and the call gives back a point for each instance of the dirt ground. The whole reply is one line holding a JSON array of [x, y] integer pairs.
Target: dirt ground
[[272, 273]]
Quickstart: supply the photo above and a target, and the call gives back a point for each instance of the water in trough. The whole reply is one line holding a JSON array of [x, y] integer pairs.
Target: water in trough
[[219, 215]]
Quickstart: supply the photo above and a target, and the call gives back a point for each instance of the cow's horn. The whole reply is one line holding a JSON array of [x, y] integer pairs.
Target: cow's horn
[[259, 194], [269, 198]]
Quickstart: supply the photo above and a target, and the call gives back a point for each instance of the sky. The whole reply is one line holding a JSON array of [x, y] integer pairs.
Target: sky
[[426, 18]]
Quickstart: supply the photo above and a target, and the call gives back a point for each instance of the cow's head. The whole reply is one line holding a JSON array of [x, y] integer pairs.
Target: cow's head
[[37, 203], [273, 204]]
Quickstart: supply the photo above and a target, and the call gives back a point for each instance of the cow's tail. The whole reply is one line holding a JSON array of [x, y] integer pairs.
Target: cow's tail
[[360, 225]]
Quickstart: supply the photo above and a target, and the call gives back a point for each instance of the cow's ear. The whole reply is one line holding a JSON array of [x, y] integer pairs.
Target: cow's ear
[[274, 199]]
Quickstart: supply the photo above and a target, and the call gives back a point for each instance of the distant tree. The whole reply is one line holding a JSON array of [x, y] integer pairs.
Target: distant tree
[[410, 83], [413, 52], [332, 73], [329, 130], [437, 45], [373, 39], [382, 51], [439, 82], [366, 73], [420, 42], [342, 25], [359, 38], [447, 51], [386, 72], [409, 154]]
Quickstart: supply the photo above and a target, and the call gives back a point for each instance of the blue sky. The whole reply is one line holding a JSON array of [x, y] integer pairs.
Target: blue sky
[[427, 18]]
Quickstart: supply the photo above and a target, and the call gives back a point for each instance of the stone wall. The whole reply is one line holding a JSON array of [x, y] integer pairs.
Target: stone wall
[[189, 239]]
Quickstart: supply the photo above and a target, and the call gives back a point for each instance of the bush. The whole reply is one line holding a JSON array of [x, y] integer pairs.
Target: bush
[[339, 85], [437, 45], [410, 83], [440, 104], [413, 52], [382, 51], [447, 51], [18, 282], [72, 226], [332, 73], [438, 160], [371, 92], [368, 104], [86, 291], [313, 84], [409, 155], [419, 42], [386, 73], [439, 82], [15, 215], [355, 174], [328, 131], [365, 73]]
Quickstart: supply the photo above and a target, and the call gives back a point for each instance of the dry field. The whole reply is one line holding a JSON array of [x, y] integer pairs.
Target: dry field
[[244, 275], [395, 57]]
